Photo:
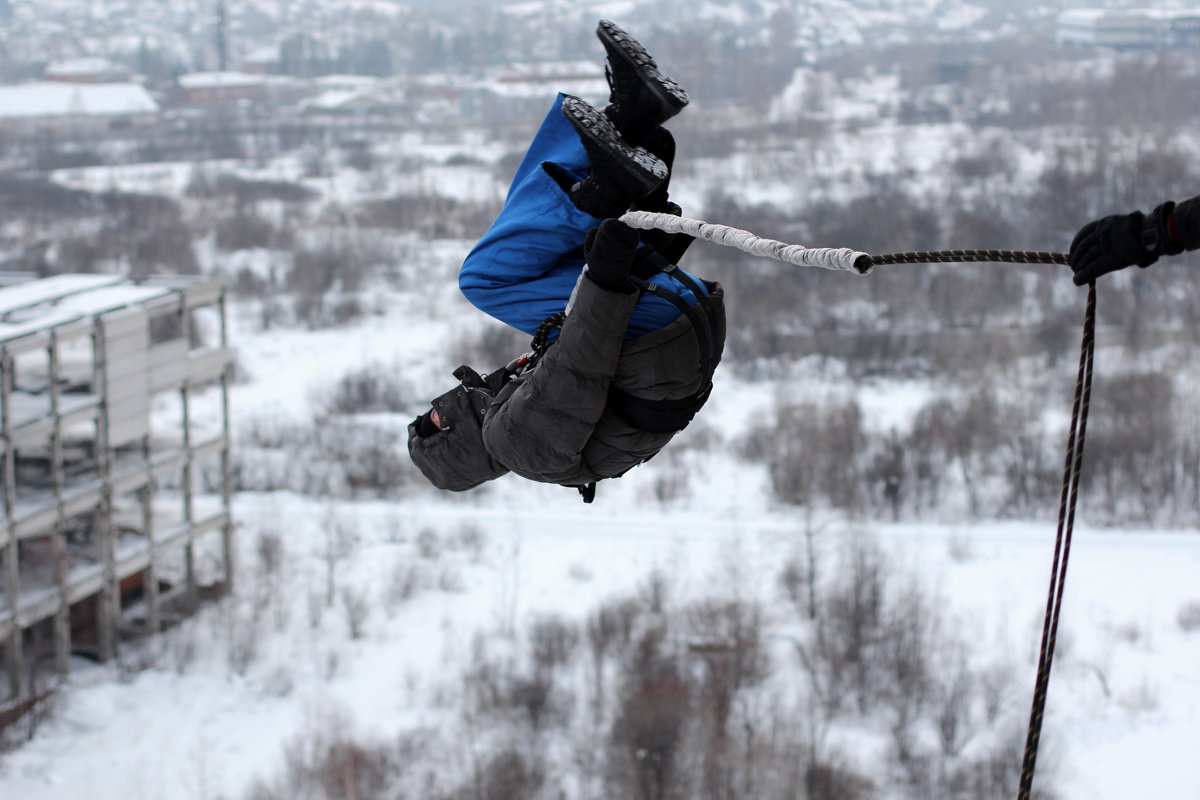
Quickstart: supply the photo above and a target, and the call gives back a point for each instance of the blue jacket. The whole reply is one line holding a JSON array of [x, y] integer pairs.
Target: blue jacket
[[526, 265]]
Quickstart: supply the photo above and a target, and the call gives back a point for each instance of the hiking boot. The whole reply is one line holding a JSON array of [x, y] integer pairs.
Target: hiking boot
[[618, 172], [661, 144], [641, 98]]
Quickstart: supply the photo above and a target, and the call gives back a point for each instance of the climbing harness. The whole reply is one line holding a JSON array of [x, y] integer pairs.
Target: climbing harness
[[848, 260], [652, 416], [537, 349], [672, 416]]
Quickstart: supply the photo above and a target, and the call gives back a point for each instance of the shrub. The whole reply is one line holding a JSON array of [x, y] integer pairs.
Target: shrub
[[358, 609], [315, 272], [145, 234], [245, 190], [1189, 617], [369, 389], [324, 460], [552, 642], [358, 156], [327, 760], [831, 780], [38, 196], [332, 272], [49, 159], [248, 283], [507, 775], [403, 583], [655, 704], [246, 231], [1133, 450], [165, 247], [815, 453], [490, 349], [431, 215]]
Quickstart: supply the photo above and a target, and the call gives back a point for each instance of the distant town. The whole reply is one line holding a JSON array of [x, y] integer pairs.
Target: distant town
[[1139, 28], [298, 81]]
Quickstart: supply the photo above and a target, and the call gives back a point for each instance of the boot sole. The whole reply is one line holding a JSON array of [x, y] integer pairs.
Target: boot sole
[[638, 162], [668, 92]]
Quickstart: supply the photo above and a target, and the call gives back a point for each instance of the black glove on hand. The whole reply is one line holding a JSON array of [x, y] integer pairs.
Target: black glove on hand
[[609, 252], [1120, 241]]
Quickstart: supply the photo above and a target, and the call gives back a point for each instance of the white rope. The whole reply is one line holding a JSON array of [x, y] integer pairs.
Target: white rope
[[839, 258]]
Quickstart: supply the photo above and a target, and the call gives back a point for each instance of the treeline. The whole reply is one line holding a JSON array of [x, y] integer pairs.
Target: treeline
[[990, 449]]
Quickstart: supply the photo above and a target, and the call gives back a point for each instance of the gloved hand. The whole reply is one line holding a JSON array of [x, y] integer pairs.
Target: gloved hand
[[1122, 240], [609, 251]]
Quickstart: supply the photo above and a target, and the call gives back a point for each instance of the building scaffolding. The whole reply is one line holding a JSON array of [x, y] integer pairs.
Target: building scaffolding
[[115, 470]]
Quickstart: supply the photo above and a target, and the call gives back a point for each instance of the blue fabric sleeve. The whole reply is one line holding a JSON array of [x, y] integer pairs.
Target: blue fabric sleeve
[[526, 265]]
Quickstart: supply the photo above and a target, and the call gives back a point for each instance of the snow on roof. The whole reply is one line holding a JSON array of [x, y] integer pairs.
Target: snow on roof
[[40, 305], [1088, 16], [51, 99], [90, 65], [264, 54], [52, 319], [110, 298], [340, 98], [213, 80], [384, 8], [1163, 13], [346, 81], [31, 293], [1080, 16]]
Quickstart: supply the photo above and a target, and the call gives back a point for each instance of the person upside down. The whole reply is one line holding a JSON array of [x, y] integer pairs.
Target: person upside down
[[640, 338]]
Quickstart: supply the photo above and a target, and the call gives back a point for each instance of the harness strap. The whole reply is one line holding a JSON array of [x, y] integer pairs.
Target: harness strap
[[673, 414], [701, 323], [654, 416]]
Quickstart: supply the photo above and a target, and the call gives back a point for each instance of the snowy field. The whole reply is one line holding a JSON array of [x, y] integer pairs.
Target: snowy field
[[200, 724]]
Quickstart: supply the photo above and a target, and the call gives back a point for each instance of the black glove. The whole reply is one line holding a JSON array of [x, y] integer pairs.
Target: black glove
[[609, 251], [1120, 241], [425, 425]]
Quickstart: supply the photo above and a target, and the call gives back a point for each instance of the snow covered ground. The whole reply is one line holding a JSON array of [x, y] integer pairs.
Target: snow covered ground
[[202, 722]]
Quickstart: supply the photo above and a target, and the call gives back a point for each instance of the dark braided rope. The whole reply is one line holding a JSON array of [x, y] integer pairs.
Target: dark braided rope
[[1072, 469], [1062, 544], [540, 343], [962, 256]]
